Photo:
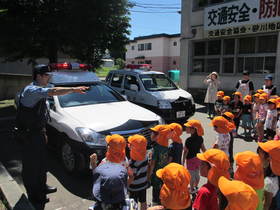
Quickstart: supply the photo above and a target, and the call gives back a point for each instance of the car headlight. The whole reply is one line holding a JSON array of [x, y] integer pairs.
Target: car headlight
[[163, 104], [90, 137]]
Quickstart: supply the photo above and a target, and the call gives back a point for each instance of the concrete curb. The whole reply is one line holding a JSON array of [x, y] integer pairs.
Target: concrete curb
[[11, 193]]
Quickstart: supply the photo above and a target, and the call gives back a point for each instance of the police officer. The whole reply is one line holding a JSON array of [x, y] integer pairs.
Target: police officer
[[31, 121]]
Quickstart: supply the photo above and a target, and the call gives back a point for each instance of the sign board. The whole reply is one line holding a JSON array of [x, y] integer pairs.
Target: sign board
[[242, 17]]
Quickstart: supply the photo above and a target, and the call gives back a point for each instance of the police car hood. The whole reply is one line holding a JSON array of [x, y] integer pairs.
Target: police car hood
[[101, 117], [171, 95]]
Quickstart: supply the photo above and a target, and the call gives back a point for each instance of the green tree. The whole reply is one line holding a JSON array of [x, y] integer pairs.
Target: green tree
[[82, 29]]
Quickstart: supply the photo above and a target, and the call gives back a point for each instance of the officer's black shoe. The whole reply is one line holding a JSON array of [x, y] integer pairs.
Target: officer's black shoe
[[50, 189]]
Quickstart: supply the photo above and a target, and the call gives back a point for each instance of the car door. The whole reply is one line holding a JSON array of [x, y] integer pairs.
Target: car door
[[132, 95], [117, 82]]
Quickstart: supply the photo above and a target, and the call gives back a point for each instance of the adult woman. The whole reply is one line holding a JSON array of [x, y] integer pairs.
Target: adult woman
[[211, 95]]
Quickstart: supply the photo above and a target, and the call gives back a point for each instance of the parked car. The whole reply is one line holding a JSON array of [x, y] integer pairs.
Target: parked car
[[155, 91], [80, 122]]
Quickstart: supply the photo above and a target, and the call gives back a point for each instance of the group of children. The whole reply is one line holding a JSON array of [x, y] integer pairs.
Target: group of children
[[259, 113], [173, 170]]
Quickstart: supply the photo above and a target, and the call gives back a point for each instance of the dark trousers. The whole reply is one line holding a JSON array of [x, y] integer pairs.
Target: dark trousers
[[34, 168], [237, 123], [210, 109]]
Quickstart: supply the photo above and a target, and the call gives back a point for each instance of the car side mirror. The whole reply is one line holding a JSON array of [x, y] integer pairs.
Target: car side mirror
[[50, 104], [134, 87]]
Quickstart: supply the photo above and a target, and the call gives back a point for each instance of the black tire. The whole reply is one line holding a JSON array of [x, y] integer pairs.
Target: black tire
[[72, 161]]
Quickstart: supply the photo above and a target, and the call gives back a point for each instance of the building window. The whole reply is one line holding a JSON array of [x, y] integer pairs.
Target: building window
[[199, 48], [146, 46], [174, 43], [267, 44], [132, 47], [174, 62], [132, 62], [198, 65], [229, 45], [148, 62], [255, 54], [141, 47], [214, 47]]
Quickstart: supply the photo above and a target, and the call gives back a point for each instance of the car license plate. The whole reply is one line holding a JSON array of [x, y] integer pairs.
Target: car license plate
[[180, 114]]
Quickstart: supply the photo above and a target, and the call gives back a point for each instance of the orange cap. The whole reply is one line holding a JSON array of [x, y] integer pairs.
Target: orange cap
[[274, 96], [273, 149], [138, 147], [221, 93], [249, 169], [219, 162], [177, 132], [116, 148], [223, 125], [238, 94], [240, 196], [257, 95], [197, 125], [229, 114], [164, 132], [260, 91], [248, 98], [226, 98], [273, 101], [264, 96], [174, 193]]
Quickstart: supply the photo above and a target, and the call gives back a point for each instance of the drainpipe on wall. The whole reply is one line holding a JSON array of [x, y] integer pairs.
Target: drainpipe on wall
[[186, 35]]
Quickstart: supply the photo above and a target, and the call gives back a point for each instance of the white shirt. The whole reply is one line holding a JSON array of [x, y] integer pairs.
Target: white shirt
[[271, 114], [271, 185], [223, 141]]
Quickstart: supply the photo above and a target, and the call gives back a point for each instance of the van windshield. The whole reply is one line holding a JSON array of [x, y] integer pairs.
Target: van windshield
[[97, 94], [157, 82]]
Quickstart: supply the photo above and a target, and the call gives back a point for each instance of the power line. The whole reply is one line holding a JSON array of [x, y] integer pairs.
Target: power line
[[153, 12]]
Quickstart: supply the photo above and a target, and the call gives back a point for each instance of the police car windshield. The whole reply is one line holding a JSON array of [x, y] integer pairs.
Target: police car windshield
[[157, 82], [97, 94]]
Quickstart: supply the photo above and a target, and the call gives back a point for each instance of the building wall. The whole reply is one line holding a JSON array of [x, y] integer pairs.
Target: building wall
[[192, 29]]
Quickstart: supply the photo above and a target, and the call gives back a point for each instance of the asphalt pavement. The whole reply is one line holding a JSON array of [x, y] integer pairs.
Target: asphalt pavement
[[74, 192]]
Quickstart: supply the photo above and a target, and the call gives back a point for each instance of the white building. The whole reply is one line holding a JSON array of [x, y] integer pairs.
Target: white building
[[229, 37], [162, 51]]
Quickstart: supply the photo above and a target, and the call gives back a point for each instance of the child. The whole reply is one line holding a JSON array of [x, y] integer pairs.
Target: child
[[255, 109], [271, 119], [261, 116], [229, 117], [250, 171], [268, 87], [139, 165], [176, 148], [219, 102], [193, 145], [269, 153], [238, 194], [223, 128], [160, 135], [226, 104], [247, 115], [214, 164], [115, 154], [277, 136], [236, 107], [174, 193]]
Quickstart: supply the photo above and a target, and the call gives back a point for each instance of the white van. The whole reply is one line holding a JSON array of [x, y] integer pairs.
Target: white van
[[155, 91], [80, 122]]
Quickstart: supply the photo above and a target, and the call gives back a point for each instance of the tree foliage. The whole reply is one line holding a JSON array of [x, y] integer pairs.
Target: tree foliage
[[81, 29]]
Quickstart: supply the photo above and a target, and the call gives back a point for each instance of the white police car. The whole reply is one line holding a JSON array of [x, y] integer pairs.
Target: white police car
[[155, 91], [79, 122]]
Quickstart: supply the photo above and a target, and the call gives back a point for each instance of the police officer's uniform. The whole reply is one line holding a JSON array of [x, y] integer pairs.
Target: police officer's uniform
[[31, 120]]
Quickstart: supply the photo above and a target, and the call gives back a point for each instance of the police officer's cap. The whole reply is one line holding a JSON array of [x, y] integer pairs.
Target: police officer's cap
[[42, 69]]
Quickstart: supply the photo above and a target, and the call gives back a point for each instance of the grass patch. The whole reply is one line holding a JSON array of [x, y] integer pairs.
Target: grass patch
[[7, 108], [103, 71], [2, 206]]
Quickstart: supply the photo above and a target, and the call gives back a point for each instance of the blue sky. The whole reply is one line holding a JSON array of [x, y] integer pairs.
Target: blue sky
[[154, 23]]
